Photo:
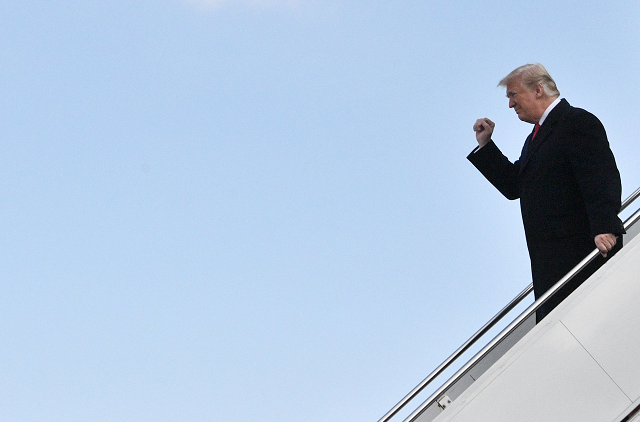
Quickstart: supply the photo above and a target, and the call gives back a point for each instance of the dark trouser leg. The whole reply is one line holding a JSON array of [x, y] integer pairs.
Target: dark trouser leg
[[553, 260]]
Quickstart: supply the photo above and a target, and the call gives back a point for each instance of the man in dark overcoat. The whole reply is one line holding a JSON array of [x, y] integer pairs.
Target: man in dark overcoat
[[566, 179]]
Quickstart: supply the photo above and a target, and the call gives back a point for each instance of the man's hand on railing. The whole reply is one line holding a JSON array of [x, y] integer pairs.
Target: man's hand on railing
[[605, 242]]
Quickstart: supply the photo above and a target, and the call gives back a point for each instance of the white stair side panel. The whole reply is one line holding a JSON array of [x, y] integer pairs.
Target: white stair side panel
[[534, 386], [606, 321]]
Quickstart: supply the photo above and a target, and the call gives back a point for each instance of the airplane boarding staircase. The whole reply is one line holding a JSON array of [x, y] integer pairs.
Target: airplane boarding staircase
[[581, 363]]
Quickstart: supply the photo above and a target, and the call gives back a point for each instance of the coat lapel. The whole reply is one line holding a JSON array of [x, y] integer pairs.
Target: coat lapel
[[531, 146]]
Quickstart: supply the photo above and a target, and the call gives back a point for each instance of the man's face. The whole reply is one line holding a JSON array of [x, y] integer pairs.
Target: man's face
[[524, 102]]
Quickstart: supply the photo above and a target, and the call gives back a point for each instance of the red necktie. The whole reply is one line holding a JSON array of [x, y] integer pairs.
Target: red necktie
[[535, 130]]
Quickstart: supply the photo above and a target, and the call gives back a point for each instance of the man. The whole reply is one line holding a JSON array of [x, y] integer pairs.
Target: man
[[566, 179]]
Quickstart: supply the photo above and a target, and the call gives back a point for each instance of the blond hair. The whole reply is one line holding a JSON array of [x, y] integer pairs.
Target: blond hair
[[531, 75]]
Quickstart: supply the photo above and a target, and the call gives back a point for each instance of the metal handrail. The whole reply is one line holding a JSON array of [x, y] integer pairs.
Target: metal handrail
[[630, 199], [492, 322], [455, 355]]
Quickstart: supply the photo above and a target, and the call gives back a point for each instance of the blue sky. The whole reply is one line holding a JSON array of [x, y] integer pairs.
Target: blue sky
[[248, 210]]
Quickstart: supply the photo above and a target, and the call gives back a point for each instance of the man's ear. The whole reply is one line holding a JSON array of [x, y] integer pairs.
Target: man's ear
[[539, 91]]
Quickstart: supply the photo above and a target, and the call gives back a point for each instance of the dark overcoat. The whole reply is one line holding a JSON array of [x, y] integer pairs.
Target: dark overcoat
[[569, 189]]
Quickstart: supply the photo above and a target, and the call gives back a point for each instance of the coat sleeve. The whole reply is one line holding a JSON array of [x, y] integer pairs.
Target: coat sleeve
[[596, 172], [497, 169]]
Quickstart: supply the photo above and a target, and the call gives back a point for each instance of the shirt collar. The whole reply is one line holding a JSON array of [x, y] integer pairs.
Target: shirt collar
[[548, 110]]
